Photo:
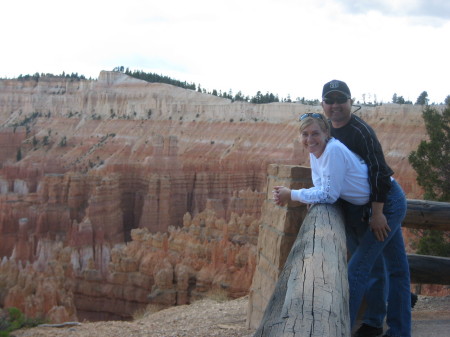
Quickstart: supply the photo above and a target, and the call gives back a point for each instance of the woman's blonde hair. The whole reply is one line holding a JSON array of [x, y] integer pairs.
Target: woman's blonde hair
[[309, 118]]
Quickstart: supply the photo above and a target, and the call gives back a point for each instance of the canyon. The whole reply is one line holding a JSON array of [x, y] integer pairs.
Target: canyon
[[117, 193]]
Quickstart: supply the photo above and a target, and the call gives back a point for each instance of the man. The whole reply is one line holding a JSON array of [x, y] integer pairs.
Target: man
[[360, 138]]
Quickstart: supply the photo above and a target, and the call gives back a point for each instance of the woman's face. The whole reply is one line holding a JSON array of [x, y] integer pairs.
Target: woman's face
[[314, 139]]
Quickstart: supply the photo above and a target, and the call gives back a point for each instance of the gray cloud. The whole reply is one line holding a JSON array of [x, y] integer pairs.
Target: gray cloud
[[438, 9], [435, 8]]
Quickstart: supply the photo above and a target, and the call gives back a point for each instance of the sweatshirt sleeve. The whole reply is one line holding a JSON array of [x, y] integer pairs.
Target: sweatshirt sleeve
[[329, 176]]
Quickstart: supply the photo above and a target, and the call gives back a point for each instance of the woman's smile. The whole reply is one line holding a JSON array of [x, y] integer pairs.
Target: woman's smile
[[314, 139]]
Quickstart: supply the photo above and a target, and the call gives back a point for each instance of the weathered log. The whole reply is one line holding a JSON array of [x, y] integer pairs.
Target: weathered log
[[429, 269], [424, 214], [311, 294]]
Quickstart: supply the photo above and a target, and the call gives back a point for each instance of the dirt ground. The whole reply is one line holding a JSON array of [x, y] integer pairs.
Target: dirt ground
[[431, 317], [206, 318]]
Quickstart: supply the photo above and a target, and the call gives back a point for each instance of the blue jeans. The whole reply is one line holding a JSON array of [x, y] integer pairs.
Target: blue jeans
[[356, 224], [374, 261]]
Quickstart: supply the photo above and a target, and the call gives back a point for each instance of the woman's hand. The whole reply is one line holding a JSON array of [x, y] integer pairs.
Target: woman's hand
[[281, 195]]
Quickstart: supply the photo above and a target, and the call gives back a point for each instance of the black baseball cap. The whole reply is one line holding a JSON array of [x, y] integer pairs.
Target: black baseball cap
[[338, 86]]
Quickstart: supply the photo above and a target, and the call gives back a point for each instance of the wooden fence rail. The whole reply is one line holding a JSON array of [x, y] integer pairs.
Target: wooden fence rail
[[428, 269], [424, 214], [311, 294]]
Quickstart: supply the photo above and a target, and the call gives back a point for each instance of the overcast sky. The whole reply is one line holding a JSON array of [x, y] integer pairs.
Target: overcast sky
[[286, 47]]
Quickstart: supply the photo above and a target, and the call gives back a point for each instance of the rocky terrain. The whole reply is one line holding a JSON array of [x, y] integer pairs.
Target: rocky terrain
[[206, 318], [116, 193]]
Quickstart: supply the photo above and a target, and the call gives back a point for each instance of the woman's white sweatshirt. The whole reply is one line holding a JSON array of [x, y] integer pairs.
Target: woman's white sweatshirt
[[337, 173]]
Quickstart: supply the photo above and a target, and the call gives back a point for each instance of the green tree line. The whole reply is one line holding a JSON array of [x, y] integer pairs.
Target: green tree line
[[37, 76], [259, 98], [155, 78]]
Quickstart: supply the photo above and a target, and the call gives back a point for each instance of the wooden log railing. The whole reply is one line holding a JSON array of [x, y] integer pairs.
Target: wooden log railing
[[311, 294], [428, 269], [294, 306], [424, 214]]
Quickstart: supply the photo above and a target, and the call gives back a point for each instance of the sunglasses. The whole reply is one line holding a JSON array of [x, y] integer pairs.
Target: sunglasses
[[338, 100], [310, 114]]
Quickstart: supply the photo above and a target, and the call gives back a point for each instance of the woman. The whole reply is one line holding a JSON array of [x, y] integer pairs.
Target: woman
[[339, 173], [336, 171]]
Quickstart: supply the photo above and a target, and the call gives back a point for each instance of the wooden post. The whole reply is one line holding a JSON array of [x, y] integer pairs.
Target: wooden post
[[277, 233], [311, 294]]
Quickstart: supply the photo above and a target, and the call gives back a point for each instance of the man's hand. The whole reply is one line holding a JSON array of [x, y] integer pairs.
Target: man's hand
[[281, 195], [378, 223]]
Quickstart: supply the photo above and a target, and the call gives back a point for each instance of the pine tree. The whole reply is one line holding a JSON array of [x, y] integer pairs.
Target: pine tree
[[422, 99], [394, 98], [431, 161]]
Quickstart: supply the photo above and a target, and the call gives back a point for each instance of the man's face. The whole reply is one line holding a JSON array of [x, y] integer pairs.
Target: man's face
[[337, 107]]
